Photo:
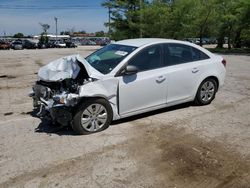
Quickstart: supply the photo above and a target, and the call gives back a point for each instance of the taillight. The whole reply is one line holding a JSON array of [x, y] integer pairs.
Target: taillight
[[224, 62]]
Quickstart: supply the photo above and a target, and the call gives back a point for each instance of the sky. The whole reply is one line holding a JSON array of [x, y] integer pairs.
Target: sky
[[25, 15]]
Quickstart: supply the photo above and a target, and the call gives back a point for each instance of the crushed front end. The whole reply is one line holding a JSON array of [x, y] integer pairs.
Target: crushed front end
[[55, 100], [56, 93]]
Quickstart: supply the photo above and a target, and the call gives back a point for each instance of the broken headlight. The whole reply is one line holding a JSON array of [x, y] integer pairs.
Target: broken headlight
[[59, 99], [41, 91]]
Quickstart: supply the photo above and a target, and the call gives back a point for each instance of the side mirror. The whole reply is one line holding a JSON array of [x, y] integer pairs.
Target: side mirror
[[130, 69]]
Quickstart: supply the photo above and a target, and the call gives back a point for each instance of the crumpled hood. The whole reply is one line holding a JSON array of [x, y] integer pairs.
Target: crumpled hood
[[66, 67]]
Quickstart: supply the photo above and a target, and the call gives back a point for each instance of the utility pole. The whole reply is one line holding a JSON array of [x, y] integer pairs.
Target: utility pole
[[109, 21], [56, 26]]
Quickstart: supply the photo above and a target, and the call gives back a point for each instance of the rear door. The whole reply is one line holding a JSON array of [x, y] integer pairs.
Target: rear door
[[185, 66]]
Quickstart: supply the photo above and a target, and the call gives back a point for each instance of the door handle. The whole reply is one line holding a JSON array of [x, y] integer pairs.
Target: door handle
[[195, 70], [160, 79]]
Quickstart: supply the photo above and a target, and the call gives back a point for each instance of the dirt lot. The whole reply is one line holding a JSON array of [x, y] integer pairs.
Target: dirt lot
[[182, 146]]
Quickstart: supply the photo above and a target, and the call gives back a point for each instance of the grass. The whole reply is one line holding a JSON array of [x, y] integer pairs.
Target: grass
[[230, 51]]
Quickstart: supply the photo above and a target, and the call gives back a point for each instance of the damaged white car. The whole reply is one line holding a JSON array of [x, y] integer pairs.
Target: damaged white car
[[124, 79]]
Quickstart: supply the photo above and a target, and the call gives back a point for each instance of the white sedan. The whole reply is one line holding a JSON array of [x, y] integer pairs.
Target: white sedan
[[126, 78], [60, 44]]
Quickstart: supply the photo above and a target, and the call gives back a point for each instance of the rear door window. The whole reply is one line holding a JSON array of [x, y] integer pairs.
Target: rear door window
[[179, 53]]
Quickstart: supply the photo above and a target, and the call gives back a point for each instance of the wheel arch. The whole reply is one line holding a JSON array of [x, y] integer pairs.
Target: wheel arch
[[84, 103], [214, 78], [201, 80], [197, 99], [85, 98]]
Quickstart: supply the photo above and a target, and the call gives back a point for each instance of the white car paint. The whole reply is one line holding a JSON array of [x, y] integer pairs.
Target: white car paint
[[143, 90], [60, 44], [66, 67], [147, 90], [180, 82]]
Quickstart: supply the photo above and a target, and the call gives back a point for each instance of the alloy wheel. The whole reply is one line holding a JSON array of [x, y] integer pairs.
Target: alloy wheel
[[94, 117], [207, 91]]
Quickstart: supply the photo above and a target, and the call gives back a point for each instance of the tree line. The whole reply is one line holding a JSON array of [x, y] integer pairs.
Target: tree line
[[181, 19]]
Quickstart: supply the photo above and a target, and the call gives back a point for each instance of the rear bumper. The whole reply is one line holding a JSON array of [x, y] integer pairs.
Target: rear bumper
[[221, 78]]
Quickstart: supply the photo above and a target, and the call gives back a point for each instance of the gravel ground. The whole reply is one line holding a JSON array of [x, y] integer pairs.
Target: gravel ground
[[182, 146]]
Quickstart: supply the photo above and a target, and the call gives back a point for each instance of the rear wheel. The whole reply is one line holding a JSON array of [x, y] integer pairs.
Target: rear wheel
[[93, 116], [206, 92]]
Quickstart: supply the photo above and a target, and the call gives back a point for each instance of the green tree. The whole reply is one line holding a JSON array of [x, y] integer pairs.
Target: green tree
[[125, 18], [233, 22], [242, 25], [45, 28], [202, 18], [180, 19], [18, 35], [44, 38], [100, 34], [226, 20], [155, 19]]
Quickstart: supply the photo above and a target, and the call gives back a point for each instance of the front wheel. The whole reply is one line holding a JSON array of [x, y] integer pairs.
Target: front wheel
[[206, 92], [93, 116]]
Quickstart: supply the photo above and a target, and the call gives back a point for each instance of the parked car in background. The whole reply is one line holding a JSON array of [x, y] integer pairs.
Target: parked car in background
[[70, 44], [60, 44], [29, 44], [91, 42], [51, 44], [17, 45], [126, 78], [41, 45], [4, 45], [210, 40], [104, 42]]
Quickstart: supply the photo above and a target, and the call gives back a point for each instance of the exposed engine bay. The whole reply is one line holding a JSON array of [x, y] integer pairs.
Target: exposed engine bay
[[63, 83]]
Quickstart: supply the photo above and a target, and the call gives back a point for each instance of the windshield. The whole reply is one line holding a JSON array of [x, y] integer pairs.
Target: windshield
[[107, 58]]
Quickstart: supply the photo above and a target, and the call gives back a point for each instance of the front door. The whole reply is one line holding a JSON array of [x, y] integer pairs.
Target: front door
[[147, 88]]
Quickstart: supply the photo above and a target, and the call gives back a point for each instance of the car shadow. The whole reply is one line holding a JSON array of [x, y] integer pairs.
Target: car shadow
[[151, 113], [46, 126]]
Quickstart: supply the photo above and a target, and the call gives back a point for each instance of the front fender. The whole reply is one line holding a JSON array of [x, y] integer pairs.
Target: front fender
[[106, 89]]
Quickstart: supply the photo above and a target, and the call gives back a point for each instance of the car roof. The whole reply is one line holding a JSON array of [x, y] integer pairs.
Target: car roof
[[17, 42], [145, 41]]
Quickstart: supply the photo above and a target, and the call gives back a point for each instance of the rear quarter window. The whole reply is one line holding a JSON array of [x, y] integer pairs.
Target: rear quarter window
[[198, 55]]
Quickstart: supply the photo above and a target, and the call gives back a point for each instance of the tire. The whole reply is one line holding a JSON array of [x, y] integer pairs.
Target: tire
[[93, 116], [206, 92]]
